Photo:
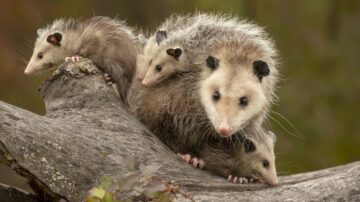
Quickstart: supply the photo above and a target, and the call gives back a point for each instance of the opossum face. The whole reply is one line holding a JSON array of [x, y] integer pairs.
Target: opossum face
[[167, 62], [232, 96], [258, 159], [47, 54]]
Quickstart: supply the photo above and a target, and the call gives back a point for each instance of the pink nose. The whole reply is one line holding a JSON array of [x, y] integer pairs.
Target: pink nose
[[27, 72], [223, 130], [140, 78]]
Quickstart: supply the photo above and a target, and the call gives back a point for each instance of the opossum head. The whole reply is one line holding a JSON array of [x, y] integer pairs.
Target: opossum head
[[168, 59], [48, 52], [234, 93], [257, 158]]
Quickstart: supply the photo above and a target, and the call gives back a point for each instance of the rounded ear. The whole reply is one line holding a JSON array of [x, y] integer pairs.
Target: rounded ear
[[55, 39], [261, 69], [212, 62], [249, 146], [160, 36], [39, 31], [272, 136], [142, 39], [176, 53]]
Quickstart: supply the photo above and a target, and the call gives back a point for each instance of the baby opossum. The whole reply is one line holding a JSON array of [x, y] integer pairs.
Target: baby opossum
[[240, 160], [170, 28], [190, 44], [108, 42]]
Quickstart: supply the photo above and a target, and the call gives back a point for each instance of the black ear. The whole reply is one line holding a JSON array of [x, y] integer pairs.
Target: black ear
[[176, 53], [261, 69], [249, 146], [212, 62], [54, 39], [160, 36]]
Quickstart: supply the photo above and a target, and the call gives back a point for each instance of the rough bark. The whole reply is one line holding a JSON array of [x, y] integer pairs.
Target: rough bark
[[86, 128]]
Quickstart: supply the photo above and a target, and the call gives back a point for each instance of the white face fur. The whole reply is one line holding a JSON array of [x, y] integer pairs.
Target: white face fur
[[232, 96], [258, 158], [48, 52]]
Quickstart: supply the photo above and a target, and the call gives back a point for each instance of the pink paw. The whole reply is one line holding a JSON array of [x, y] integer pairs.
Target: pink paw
[[108, 79], [74, 58], [240, 180], [196, 162]]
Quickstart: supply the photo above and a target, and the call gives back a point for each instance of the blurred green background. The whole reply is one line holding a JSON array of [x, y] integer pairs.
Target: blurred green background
[[319, 45]]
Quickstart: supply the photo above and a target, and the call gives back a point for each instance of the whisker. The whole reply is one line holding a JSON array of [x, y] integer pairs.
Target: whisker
[[288, 122], [283, 127]]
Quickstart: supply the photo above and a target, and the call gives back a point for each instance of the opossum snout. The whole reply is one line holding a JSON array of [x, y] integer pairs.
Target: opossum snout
[[224, 129], [28, 71]]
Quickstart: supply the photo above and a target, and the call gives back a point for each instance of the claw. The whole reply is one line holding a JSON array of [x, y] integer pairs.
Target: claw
[[185, 157], [236, 179], [229, 178], [74, 58], [195, 162], [201, 164]]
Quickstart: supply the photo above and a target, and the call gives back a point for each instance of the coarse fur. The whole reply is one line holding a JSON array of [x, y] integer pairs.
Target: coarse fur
[[108, 42], [182, 110], [172, 26], [172, 111], [249, 156], [235, 79], [193, 40]]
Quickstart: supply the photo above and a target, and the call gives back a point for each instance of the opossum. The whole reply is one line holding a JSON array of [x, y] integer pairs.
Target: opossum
[[235, 96], [241, 160], [108, 42], [189, 45], [170, 28]]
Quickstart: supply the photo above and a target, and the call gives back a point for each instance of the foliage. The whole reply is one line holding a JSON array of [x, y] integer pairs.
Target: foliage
[[138, 184]]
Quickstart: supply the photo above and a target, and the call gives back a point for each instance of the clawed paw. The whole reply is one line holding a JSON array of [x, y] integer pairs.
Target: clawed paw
[[108, 79], [196, 162], [240, 180], [74, 58]]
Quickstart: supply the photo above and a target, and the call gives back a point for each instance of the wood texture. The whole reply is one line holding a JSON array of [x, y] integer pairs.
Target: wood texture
[[87, 129]]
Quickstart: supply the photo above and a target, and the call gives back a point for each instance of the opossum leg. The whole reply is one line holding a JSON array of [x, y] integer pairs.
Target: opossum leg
[[74, 58], [196, 162]]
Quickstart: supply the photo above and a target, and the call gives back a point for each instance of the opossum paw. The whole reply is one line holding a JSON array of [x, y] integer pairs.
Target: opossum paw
[[185, 157], [196, 162], [240, 180], [74, 58], [108, 79]]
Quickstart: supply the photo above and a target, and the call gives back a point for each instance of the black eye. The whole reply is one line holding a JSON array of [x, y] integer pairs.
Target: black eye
[[244, 101], [40, 55], [216, 96], [266, 163], [158, 68]]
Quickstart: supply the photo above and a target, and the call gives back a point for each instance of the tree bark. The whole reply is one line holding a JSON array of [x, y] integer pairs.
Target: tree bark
[[86, 128]]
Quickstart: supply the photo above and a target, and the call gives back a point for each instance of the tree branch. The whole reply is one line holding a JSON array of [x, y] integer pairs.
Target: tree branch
[[67, 151]]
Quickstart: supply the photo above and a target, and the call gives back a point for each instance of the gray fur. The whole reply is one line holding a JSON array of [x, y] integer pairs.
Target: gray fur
[[228, 157], [108, 42]]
